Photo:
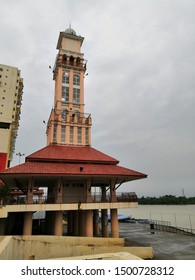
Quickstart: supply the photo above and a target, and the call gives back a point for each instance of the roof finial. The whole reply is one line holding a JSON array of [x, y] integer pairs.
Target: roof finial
[[70, 30]]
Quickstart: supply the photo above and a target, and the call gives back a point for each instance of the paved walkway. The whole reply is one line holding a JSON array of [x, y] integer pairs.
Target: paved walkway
[[166, 246]]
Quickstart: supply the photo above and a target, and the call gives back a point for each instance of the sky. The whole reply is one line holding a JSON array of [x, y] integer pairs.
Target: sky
[[140, 88]]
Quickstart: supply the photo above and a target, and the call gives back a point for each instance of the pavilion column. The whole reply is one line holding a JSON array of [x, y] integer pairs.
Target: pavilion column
[[89, 223], [70, 222], [82, 223], [58, 221], [27, 227], [75, 223], [49, 218], [103, 198], [114, 223], [96, 226], [40, 198], [29, 198], [88, 190], [59, 190], [113, 190], [104, 221]]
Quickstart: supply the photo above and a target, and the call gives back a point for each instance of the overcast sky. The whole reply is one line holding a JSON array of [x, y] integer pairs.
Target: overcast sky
[[141, 84]]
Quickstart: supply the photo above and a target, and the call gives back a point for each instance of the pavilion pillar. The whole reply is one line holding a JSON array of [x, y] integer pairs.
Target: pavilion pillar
[[114, 223], [82, 223], [113, 190], [104, 222], [70, 222], [75, 223], [29, 198], [59, 190], [40, 198], [103, 198], [27, 226], [49, 222], [58, 221], [89, 223], [96, 226], [88, 190]]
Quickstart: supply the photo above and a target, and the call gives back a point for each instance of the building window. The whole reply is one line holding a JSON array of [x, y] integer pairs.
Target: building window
[[55, 133], [65, 78], [79, 135], [71, 134], [86, 136], [63, 133], [76, 95], [64, 114], [76, 80], [65, 93]]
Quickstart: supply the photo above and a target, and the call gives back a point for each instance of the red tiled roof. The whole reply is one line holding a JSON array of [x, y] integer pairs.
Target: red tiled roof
[[71, 169], [67, 153]]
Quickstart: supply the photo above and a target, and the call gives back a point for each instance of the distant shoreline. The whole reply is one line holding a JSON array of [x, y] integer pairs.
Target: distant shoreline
[[166, 200]]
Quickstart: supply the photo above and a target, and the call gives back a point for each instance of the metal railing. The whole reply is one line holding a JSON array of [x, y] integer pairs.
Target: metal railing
[[67, 199], [166, 226]]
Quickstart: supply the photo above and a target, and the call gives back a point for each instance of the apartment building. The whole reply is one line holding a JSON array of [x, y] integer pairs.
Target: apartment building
[[11, 89]]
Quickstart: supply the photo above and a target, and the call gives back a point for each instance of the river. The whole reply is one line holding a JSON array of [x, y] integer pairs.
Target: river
[[178, 215]]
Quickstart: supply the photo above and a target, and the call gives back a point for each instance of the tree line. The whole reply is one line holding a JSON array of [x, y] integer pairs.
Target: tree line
[[166, 199]]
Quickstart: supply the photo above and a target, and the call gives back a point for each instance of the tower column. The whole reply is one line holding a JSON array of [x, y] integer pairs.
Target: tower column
[[27, 227], [114, 223]]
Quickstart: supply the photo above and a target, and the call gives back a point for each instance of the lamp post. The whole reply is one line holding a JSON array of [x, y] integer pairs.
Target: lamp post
[[20, 155]]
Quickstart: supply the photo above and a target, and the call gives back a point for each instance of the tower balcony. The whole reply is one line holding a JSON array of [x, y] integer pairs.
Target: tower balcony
[[70, 117]]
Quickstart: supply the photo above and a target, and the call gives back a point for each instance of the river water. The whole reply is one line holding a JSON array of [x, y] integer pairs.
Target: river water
[[178, 215]]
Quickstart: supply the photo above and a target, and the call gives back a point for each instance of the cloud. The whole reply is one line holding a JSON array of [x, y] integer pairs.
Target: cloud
[[140, 87]]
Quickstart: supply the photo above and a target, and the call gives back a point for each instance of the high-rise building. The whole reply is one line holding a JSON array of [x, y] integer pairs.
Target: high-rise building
[[11, 89]]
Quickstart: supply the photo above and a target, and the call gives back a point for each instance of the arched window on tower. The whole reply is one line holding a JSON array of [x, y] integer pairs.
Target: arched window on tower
[[64, 58], [71, 60], [78, 61]]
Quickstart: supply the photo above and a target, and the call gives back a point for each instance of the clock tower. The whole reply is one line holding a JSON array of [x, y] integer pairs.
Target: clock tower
[[68, 123]]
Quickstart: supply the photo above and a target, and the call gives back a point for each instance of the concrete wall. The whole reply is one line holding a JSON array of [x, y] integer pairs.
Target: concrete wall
[[6, 247], [47, 247]]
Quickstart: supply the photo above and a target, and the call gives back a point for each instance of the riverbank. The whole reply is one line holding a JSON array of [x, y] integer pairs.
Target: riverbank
[[177, 215], [166, 246]]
